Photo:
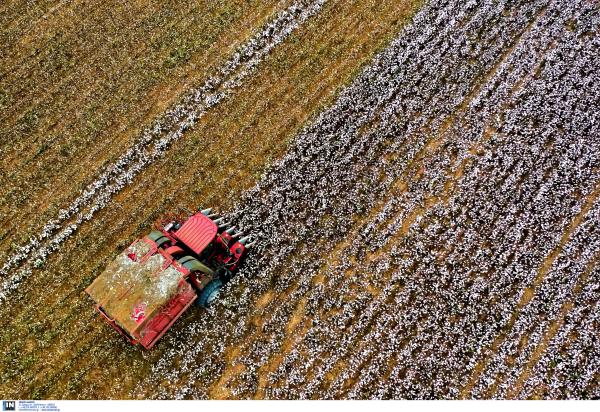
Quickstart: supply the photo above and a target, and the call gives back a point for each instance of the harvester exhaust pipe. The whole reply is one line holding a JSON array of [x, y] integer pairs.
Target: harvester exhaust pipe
[[230, 230], [244, 240], [205, 212]]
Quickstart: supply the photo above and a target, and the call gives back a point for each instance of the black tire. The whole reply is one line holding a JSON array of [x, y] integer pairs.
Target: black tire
[[159, 238], [210, 293], [193, 265]]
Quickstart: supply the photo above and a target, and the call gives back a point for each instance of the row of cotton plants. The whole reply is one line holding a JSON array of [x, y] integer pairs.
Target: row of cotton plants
[[568, 366], [488, 211], [409, 220], [154, 141], [566, 284]]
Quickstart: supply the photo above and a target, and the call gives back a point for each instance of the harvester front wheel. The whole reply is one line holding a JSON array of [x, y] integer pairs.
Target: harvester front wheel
[[210, 293]]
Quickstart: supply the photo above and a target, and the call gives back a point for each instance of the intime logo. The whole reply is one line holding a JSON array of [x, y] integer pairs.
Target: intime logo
[[8, 405]]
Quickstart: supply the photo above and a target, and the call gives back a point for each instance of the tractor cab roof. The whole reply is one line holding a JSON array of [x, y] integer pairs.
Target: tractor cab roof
[[197, 232]]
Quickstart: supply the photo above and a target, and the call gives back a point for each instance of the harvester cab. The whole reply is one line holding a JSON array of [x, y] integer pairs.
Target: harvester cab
[[150, 284]]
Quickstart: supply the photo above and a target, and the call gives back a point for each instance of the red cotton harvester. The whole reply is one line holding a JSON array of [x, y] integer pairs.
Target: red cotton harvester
[[149, 286]]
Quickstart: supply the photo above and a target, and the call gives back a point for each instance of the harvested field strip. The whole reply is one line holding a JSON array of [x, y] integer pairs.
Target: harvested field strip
[[17, 17], [56, 154], [70, 176]]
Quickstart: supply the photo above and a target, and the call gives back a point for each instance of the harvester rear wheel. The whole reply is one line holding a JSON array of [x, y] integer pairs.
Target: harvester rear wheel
[[193, 265], [210, 293], [159, 238]]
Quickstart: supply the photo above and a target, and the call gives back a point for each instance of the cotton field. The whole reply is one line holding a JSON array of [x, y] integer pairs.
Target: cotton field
[[428, 225]]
